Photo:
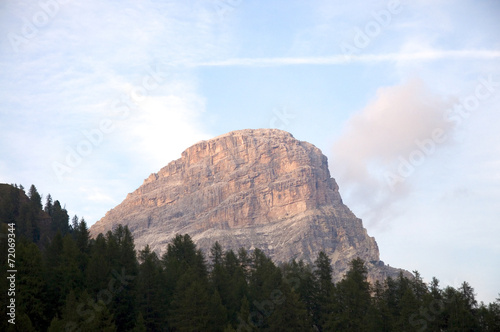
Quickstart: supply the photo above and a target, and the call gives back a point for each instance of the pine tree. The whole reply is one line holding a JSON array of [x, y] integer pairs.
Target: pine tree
[[73, 277], [459, 312], [140, 325], [434, 308], [379, 316], [324, 294], [469, 318], [301, 279], [182, 255], [489, 316], [190, 307], [391, 301], [264, 287], [122, 256], [407, 302], [74, 224], [217, 313], [30, 284], [26, 215], [220, 279], [54, 275], [60, 219], [245, 262], [290, 314], [409, 306], [150, 290], [351, 300], [245, 320], [48, 205], [237, 287], [98, 272], [82, 241], [35, 198], [83, 314]]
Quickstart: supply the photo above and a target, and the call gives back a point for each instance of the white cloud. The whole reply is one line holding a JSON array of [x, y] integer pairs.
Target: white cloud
[[67, 78], [163, 126], [380, 140], [427, 55]]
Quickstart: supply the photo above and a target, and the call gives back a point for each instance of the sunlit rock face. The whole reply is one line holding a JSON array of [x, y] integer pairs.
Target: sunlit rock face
[[253, 189]]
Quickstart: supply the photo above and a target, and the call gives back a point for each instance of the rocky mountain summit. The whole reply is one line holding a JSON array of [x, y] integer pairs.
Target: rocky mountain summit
[[254, 189]]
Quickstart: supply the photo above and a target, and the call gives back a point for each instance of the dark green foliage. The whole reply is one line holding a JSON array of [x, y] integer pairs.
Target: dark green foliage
[[235, 288], [83, 314], [227, 278], [302, 280], [23, 324], [32, 223], [245, 319], [9, 203], [124, 265], [98, 272], [325, 288], [60, 218], [489, 316], [67, 281], [190, 304], [140, 325], [30, 284], [35, 198], [290, 314], [54, 276], [150, 291], [351, 300], [4, 283], [49, 206]]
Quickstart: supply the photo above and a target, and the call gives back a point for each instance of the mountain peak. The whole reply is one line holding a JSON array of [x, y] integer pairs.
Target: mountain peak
[[251, 188]]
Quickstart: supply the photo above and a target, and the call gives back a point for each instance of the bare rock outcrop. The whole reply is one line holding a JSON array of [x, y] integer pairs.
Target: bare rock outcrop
[[254, 189]]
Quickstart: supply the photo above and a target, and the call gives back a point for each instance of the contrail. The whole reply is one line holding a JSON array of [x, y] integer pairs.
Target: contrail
[[341, 59]]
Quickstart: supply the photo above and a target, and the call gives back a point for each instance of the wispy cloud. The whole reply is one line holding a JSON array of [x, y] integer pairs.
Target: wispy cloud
[[362, 58], [375, 140], [59, 85]]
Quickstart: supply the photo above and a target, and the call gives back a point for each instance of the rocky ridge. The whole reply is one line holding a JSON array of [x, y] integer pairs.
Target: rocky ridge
[[254, 189]]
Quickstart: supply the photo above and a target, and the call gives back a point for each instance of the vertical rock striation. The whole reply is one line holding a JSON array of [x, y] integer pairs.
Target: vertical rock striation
[[254, 189]]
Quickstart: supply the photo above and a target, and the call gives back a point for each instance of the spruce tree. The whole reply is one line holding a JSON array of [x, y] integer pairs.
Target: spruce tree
[[54, 277], [237, 287], [150, 291], [30, 284], [301, 279], [324, 286], [35, 198], [190, 307], [81, 313], [351, 301], [122, 256], [217, 313], [60, 219], [290, 314], [98, 271], [264, 287], [48, 208]]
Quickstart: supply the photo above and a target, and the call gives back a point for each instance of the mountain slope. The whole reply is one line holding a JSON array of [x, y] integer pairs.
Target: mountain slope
[[254, 189]]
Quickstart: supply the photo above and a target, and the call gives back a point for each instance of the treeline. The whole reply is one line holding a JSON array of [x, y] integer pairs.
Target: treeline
[[34, 222], [73, 283]]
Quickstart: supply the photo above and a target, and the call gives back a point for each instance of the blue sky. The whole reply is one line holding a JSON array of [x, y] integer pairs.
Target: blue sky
[[402, 96]]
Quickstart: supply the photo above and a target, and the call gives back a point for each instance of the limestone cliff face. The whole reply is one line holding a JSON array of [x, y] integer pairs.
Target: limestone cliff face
[[253, 189]]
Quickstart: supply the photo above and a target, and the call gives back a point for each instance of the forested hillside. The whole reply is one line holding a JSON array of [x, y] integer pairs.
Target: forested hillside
[[66, 281]]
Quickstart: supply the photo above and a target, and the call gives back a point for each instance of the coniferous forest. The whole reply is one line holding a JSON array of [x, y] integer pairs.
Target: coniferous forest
[[66, 281]]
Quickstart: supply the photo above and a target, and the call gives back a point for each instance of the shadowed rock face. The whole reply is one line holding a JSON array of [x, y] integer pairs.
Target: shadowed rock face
[[254, 189]]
